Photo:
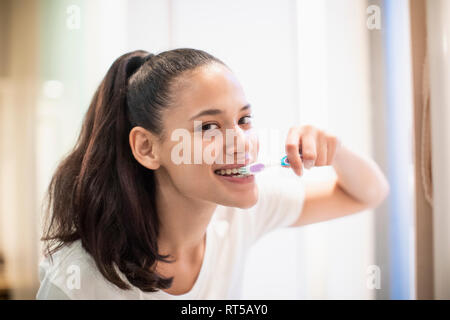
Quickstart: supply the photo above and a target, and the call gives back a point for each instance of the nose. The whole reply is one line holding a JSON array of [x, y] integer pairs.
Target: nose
[[240, 149]]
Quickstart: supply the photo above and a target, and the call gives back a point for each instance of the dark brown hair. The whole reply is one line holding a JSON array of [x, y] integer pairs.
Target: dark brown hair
[[99, 193]]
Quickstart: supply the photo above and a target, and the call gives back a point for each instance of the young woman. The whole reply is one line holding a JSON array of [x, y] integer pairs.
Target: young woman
[[126, 221]]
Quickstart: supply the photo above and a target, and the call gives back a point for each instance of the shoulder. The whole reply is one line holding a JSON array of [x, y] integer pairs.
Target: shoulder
[[72, 273]]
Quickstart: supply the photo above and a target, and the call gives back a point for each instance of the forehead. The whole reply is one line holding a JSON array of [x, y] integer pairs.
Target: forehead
[[213, 85]]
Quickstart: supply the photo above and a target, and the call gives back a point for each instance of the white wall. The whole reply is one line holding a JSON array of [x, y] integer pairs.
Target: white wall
[[334, 95]]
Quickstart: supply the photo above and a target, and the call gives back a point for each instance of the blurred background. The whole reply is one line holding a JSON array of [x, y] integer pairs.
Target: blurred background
[[376, 73]]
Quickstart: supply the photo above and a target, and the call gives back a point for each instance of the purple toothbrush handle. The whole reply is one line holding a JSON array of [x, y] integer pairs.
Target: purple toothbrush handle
[[257, 168]]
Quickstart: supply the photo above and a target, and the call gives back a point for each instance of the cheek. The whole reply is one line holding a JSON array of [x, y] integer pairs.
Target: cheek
[[211, 149], [257, 146], [190, 179], [254, 144]]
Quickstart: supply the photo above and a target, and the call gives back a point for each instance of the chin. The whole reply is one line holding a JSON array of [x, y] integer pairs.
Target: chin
[[239, 200], [246, 203], [242, 203]]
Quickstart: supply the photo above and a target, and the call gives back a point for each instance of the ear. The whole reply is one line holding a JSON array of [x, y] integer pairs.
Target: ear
[[145, 148]]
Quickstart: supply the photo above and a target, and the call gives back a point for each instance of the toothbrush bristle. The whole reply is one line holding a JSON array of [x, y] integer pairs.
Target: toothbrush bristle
[[243, 170]]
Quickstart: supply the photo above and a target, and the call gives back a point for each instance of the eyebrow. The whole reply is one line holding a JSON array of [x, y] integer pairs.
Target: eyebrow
[[210, 112]]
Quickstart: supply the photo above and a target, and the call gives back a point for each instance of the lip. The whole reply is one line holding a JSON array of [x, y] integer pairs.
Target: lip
[[233, 166], [246, 180]]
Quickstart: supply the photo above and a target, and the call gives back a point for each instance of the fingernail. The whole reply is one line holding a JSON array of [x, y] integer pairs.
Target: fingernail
[[308, 164]]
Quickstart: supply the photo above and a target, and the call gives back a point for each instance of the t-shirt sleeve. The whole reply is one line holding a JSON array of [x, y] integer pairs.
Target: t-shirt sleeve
[[281, 196]]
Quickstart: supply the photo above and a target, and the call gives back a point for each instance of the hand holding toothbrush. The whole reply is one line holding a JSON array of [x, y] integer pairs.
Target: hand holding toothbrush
[[306, 146], [318, 148]]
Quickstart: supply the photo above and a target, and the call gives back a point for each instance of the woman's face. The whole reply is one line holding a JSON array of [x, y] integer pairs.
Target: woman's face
[[209, 109]]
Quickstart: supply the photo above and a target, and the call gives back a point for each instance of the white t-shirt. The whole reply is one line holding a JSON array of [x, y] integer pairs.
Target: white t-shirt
[[73, 274]]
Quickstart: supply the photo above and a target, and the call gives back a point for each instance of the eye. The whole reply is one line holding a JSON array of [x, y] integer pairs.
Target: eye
[[246, 120], [209, 126]]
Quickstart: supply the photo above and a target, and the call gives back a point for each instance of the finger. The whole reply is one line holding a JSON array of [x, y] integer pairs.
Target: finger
[[292, 150], [309, 152], [331, 151], [322, 151]]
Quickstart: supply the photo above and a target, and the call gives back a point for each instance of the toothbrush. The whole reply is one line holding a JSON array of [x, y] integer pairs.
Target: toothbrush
[[259, 166]]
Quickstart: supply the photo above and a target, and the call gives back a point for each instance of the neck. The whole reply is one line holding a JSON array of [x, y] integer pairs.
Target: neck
[[183, 222]]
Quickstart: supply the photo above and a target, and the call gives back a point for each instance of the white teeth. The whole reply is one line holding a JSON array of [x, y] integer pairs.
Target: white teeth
[[235, 172]]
